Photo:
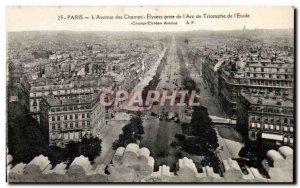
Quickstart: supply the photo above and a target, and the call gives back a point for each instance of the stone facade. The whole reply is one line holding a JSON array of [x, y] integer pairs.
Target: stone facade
[[134, 164]]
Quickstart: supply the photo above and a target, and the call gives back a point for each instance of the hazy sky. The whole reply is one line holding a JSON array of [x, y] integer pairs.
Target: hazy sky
[[46, 18]]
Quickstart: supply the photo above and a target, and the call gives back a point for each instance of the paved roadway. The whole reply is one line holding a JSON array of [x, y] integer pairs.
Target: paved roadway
[[109, 135], [229, 139], [170, 76], [159, 134]]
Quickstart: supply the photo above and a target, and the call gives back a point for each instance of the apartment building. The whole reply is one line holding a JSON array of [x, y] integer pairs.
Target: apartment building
[[264, 77], [69, 119], [266, 120]]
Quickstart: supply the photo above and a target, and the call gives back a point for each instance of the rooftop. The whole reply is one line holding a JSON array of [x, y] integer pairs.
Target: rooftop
[[257, 99], [86, 99]]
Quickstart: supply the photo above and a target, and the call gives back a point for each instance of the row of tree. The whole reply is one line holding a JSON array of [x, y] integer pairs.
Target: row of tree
[[156, 78], [187, 81]]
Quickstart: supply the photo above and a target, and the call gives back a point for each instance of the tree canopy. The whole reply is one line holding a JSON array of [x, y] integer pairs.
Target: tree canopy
[[132, 132], [202, 128]]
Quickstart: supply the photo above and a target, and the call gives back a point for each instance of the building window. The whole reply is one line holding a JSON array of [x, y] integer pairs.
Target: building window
[[76, 124], [277, 127], [66, 136], [58, 118], [71, 116], [71, 125], [66, 117], [83, 124], [88, 115], [88, 123], [53, 127], [53, 118], [76, 116], [83, 115]]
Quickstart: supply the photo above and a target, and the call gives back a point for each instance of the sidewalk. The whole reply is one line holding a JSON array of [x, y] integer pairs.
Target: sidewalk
[[108, 136]]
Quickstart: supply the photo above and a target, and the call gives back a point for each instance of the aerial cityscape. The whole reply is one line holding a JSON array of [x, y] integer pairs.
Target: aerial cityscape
[[192, 106]]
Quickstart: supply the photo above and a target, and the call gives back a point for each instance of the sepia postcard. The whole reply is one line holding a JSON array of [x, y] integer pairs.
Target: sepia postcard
[[150, 94]]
